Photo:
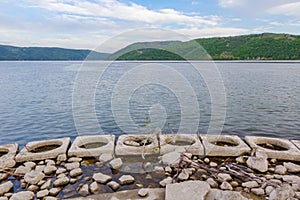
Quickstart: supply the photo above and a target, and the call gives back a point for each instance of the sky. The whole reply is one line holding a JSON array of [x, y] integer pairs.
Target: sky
[[85, 24]]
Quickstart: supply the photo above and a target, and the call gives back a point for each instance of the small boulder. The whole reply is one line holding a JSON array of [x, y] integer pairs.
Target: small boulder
[[71, 166], [280, 169], [226, 186], [84, 190], [224, 177], [101, 178], [94, 188], [258, 163], [42, 193], [61, 181], [116, 163], [250, 184], [143, 192], [126, 179], [49, 169], [5, 187], [171, 159], [166, 181], [75, 172], [113, 185], [22, 196]]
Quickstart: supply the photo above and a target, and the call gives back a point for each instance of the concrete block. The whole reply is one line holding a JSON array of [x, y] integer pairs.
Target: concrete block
[[278, 148], [189, 143], [7, 155], [41, 150], [224, 145], [92, 146], [137, 145]]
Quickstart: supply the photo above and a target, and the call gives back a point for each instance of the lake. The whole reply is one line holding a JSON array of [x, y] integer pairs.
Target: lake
[[262, 98]]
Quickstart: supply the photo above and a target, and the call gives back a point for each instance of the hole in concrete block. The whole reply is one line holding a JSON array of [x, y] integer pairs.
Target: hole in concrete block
[[277, 147], [3, 152], [44, 147], [93, 145], [180, 141], [138, 141], [224, 142]]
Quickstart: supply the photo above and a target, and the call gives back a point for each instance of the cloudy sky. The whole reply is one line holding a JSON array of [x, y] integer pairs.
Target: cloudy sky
[[87, 23]]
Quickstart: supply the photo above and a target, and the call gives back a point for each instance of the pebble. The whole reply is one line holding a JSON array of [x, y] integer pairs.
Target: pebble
[[226, 186], [60, 170], [3, 176], [240, 159], [22, 170], [280, 169], [159, 170], [258, 163], [33, 188], [212, 183], [47, 184], [62, 157], [224, 177], [54, 191], [213, 164], [75, 172], [41, 162], [106, 157], [22, 195], [116, 163], [258, 191], [40, 168], [71, 166], [291, 167], [42, 193], [168, 169], [269, 176], [184, 175], [165, 181], [49, 169], [73, 180], [101, 178], [234, 183], [61, 181], [34, 177], [148, 177], [250, 184], [30, 165], [74, 159], [5, 187], [84, 190], [126, 179], [206, 160], [143, 192], [113, 185], [269, 189], [50, 162], [41, 182], [94, 187]]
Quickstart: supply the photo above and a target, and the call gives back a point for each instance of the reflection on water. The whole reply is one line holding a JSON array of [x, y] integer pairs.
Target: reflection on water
[[36, 100]]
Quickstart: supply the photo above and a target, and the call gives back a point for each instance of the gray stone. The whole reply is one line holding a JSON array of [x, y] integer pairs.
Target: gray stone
[[143, 192], [258, 191], [234, 183], [215, 194], [41, 182], [74, 159], [39, 168], [250, 184], [258, 163], [42, 193], [206, 160], [191, 190], [224, 177], [212, 183], [116, 163], [101, 178], [49, 169], [94, 187], [240, 159], [61, 181], [166, 181], [106, 157], [62, 157], [47, 184], [60, 170], [75, 172], [226, 186], [25, 195], [171, 159], [213, 164], [34, 177], [33, 188], [3, 176], [159, 170], [291, 179], [71, 166], [22, 170], [50, 162], [54, 191], [61, 176], [168, 169], [280, 169], [113, 185], [291, 167], [269, 189], [280, 193], [84, 190], [184, 175], [73, 180], [5, 187], [30, 165], [126, 179]]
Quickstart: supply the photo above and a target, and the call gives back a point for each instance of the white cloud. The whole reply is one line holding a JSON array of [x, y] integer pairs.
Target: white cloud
[[289, 9]]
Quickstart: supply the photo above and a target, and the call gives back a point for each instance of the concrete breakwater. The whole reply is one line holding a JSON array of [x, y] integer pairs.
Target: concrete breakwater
[[154, 166]]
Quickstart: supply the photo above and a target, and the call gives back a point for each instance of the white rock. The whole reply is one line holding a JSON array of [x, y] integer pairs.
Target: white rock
[[101, 178], [143, 192], [206, 160], [50, 162], [30, 165], [280, 169], [33, 188], [250, 184], [216, 194], [258, 163], [291, 179], [226, 186], [191, 190], [22, 170], [75, 172], [113, 185], [3, 176], [25, 195], [61, 181], [84, 190], [39, 168], [126, 179], [34, 177], [73, 180], [61, 176], [49, 169], [5, 187], [224, 177], [168, 169], [166, 181], [171, 159], [54, 191], [47, 184], [3, 198], [159, 170], [213, 164], [291, 167], [106, 157], [240, 159], [71, 166], [280, 193], [74, 159], [258, 191], [60, 170], [62, 157], [184, 175], [42, 193], [116, 163], [212, 183], [94, 187], [269, 189]]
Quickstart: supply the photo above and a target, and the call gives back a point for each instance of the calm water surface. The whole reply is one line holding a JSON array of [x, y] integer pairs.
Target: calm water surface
[[36, 100]]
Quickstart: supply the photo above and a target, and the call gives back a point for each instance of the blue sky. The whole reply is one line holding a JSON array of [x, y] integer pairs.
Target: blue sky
[[87, 23]]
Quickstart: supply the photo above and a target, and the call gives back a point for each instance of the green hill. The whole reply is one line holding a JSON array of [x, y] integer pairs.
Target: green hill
[[266, 46], [47, 53]]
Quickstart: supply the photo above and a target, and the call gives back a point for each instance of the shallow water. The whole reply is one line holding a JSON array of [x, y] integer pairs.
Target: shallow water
[[36, 100]]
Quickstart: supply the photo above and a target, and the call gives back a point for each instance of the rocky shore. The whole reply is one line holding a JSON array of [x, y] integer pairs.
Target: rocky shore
[[175, 174]]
